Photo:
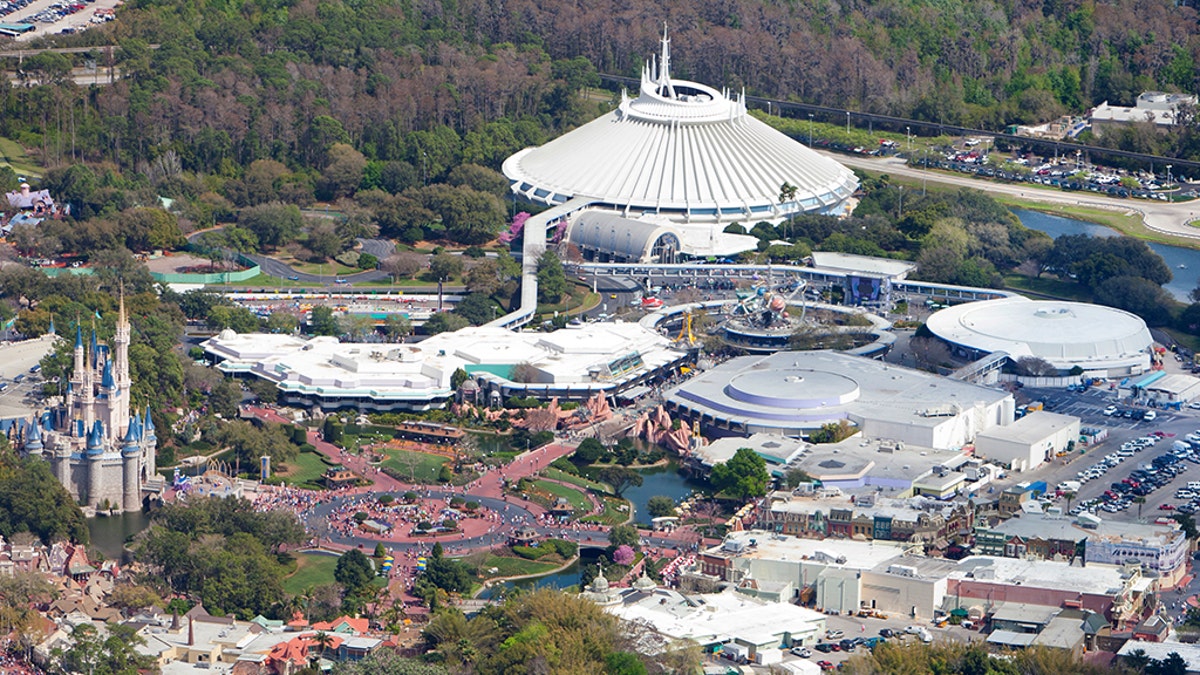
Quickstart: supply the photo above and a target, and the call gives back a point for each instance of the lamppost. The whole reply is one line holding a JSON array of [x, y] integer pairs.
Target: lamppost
[[1169, 174], [810, 125], [908, 136], [847, 121], [900, 206]]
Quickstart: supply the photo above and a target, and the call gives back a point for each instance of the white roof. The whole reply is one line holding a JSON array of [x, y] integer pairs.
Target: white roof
[[1032, 428], [1064, 333], [861, 264], [685, 150], [719, 617], [328, 367]]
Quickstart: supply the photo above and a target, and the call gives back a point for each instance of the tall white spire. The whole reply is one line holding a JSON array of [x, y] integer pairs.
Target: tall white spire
[[664, 67]]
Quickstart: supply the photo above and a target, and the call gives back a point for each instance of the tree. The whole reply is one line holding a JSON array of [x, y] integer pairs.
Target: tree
[[589, 451], [322, 321], [354, 571], [274, 223], [343, 173], [444, 266], [114, 654], [929, 352], [620, 478], [476, 308], [552, 279], [741, 477], [402, 265], [458, 377], [660, 506], [396, 327], [445, 322], [1034, 366], [623, 535]]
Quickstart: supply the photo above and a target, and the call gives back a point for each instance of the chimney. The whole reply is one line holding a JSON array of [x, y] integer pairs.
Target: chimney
[[191, 632]]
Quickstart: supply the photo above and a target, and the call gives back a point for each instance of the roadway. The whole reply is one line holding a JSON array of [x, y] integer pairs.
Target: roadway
[[1161, 217]]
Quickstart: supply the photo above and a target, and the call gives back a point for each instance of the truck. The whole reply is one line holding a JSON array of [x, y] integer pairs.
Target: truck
[[1068, 486], [1035, 406]]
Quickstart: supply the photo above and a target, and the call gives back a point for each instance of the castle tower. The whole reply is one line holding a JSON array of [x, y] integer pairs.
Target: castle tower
[[33, 438], [95, 456], [130, 454], [120, 370], [150, 443]]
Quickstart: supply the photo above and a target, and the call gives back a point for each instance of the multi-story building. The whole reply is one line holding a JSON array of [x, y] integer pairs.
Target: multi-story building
[[1160, 548], [930, 522]]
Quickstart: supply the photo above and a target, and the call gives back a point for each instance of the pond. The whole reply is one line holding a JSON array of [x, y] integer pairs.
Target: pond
[[1184, 262], [564, 578], [109, 533], [665, 480]]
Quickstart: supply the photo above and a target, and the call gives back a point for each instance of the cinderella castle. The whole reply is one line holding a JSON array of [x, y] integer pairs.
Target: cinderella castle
[[100, 452]]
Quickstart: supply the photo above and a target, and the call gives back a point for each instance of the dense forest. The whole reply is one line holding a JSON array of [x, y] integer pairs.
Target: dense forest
[[419, 87]]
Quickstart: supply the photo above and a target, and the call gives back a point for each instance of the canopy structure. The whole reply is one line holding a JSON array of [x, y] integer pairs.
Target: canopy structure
[[685, 152]]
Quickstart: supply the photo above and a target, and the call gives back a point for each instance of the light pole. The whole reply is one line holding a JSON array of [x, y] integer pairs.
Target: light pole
[[908, 136], [900, 206], [847, 122], [810, 125], [1169, 174]]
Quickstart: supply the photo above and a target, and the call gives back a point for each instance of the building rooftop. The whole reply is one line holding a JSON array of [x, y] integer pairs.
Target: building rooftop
[[1010, 638], [790, 390], [900, 509], [594, 356], [1032, 428], [682, 150], [861, 264], [918, 567], [860, 555], [1047, 526], [1158, 651], [717, 617], [1093, 579], [1175, 383]]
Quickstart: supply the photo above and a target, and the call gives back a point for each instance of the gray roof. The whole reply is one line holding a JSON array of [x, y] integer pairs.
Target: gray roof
[[1011, 638], [1032, 428], [623, 237]]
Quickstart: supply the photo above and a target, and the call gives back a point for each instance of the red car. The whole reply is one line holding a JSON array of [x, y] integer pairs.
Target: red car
[[1166, 507], [825, 665]]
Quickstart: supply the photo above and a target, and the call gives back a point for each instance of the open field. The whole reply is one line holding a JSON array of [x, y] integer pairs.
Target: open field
[[577, 499], [13, 155], [514, 567], [418, 467], [307, 467], [312, 569]]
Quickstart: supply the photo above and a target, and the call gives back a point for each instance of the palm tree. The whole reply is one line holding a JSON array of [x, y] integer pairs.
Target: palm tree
[[322, 641], [1139, 501]]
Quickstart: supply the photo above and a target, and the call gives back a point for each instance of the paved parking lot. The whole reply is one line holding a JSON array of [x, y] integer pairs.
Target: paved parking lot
[[58, 19], [16, 359], [1089, 407]]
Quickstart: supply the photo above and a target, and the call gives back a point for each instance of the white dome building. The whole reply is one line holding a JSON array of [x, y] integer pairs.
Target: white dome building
[[1066, 334], [686, 154]]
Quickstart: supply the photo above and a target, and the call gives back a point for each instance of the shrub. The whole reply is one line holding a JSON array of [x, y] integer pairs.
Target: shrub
[[360, 516], [566, 549], [410, 496], [450, 524], [386, 499], [424, 526], [532, 552], [299, 435], [471, 506], [457, 502], [565, 466], [308, 447]]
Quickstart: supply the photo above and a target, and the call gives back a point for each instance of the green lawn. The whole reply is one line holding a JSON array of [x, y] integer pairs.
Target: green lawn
[[12, 154], [307, 467], [1055, 288], [585, 483], [418, 467], [612, 513], [514, 567], [312, 569], [577, 499]]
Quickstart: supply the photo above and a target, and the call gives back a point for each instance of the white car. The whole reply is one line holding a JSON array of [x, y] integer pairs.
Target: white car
[[1110, 410], [1150, 416]]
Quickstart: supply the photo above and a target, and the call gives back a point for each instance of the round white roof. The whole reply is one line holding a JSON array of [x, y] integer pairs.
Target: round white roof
[[683, 150], [1064, 333]]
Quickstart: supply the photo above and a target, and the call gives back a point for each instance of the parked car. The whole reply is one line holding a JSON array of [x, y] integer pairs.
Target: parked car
[[802, 652]]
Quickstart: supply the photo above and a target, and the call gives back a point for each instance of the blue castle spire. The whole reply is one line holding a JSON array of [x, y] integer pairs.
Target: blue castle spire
[[95, 440], [106, 380], [149, 425], [33, 440], [131, 438], [78, 337]]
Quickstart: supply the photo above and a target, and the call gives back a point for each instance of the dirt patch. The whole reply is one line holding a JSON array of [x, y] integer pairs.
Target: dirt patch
[[183, 263]]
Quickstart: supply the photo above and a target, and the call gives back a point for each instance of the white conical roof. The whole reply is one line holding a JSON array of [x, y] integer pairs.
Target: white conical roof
[[682, 150]]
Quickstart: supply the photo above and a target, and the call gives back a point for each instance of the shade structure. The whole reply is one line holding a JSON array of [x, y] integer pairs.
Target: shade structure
[[684, 152]]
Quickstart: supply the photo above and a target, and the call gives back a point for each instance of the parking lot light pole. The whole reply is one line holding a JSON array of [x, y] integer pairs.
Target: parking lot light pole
[[810, 125], [847, 122], [1169, 174]]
